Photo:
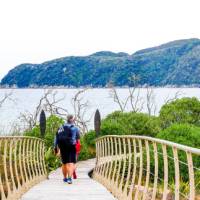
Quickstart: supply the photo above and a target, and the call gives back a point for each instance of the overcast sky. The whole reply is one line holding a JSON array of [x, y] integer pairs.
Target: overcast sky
[[33, 31]]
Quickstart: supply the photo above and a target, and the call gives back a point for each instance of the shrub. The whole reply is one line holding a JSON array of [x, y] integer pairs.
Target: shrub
[[131, 123], [185, 110], [88, 146], [52, 161], [185, 134], [52, 124]]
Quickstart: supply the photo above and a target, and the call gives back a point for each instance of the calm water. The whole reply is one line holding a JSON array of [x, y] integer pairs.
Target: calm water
[[26, 100]]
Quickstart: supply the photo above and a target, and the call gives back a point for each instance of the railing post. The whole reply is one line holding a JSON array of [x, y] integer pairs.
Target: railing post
[[115, 166], [124, 167], [145, 193], [11, 166], [165, 159], [132, 186], [125, 193], [111, 163], [140, 171], [5, 168], [177, 178], [2, 193], [155, 170], [117, 192], [191, 176], [108, 153]]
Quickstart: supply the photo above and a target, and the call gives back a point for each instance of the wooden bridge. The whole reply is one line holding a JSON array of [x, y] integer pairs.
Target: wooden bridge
[[126, 167]]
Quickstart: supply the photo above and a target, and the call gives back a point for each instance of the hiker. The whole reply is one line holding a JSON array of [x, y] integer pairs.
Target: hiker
[[66, 140], [78, 150]]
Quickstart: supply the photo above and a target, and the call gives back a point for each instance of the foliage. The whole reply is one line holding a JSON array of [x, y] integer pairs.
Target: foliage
[[131, 123], [174, 63], [185, 110], [52, 124], [88, 146], [52, 161], [185, 134]]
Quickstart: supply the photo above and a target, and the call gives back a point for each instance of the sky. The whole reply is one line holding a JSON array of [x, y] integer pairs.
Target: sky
[[34, 31]]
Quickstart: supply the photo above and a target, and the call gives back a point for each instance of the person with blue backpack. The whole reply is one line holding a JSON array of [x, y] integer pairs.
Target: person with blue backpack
[[67, 136]]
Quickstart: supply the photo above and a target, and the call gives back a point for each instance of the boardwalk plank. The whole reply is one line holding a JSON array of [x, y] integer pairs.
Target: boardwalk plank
[[84, 188]]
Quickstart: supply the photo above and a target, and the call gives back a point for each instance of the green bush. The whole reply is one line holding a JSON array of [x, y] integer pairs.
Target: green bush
[[88, 146], [185, 134], [131, 123], [185, 110], [52, 161], [52, 124]]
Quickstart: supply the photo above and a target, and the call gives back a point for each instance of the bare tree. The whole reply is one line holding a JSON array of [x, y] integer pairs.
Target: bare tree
[[80, 108], [115, 96], [6, 97], [16, 128], [28, 119], [175, 97], [150, 101], [133, 98], [49, 102]]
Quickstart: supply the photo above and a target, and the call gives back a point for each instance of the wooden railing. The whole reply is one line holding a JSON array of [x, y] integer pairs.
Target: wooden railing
[[21, 165], [138, 167]]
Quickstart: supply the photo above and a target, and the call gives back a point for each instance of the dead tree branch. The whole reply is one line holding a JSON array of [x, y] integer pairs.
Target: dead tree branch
[[133, 98], [80, 108], [150, 101], [175, 97], [6, 97], [50, 101], [115, 96]]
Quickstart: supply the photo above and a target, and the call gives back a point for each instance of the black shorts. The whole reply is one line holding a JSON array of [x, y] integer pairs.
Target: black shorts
[[68, 154]]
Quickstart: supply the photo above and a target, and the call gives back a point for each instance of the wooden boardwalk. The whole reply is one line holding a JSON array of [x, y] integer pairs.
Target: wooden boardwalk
[[83, 188]]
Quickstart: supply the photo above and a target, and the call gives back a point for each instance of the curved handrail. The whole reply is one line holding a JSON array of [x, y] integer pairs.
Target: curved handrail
[[161, 141], [140, 167], [22, 165]]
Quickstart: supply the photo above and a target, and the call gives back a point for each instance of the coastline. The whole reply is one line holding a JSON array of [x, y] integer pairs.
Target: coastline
[[107, 87]]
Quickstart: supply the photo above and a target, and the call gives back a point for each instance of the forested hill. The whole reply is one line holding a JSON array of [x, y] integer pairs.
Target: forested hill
[[174, 63]]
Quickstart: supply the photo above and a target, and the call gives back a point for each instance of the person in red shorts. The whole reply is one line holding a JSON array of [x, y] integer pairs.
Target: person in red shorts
[[78, 150]]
